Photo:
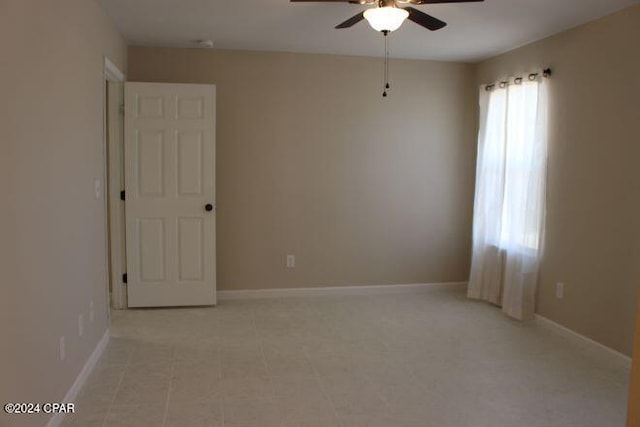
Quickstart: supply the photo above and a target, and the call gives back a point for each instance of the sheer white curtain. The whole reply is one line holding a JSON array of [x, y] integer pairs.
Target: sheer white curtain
[[509, 209]]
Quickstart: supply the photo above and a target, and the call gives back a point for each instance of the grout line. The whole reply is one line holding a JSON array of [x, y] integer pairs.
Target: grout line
[[115, 394], [255, 333], [220, 400], [322, 387], [173, 369], [264, 357]]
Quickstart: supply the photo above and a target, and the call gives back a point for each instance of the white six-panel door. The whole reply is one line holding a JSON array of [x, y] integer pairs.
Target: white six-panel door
[[170, 184]]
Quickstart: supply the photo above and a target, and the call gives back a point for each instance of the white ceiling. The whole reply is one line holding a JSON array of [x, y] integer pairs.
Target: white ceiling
[[475, 31]]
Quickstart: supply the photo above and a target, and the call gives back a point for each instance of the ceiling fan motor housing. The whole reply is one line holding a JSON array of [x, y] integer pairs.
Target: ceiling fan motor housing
[[424, 20]]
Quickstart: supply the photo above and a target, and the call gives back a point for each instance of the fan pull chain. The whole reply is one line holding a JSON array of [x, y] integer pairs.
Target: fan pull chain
[[386, 64], [388, 50]]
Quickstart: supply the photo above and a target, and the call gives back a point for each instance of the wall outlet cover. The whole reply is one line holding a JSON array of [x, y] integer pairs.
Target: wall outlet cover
[[62, 349], [291, 261], [97, 187], [559, 290], [80, 325]]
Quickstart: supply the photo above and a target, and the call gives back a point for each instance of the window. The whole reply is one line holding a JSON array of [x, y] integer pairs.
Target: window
[[513, 167]]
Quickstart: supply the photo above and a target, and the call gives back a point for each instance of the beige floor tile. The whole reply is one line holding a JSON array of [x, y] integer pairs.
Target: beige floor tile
[[244, 368], [195, 383], [135, 416], [353, 395], [206, 352], [314, 422], [333, 363], [208, 368], [152, 353], [94, 400], [289, 365], [144, 384], [159, 371], [246, 388], [90, 409], [106, 373], [200, 414], [257, 413], [84, 420], [118, 351], [293, 385], [304, 407]]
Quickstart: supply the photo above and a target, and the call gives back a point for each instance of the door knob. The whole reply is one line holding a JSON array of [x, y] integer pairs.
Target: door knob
[[208, 207]]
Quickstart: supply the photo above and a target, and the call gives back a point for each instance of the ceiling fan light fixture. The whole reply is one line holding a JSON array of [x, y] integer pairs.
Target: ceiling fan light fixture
[[387, 18]]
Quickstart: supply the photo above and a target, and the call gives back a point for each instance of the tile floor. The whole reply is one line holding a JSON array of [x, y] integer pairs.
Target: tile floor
[[413, 360]]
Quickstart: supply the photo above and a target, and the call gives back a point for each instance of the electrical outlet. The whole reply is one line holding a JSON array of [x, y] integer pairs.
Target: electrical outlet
[[62, 349], [80, 325], [291, 261], [559, 290], [97, 187], [92, 316]]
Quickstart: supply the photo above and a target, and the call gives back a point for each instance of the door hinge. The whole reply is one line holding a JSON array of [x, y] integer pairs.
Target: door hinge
[[124, 278], [122, 109], [123, 195]]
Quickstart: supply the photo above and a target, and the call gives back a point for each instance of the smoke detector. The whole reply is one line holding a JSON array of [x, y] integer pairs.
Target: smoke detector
[[205, 44]]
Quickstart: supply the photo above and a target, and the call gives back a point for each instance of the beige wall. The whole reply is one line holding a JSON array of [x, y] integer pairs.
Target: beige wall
[[52, 227], [312, 161], [594, 178]]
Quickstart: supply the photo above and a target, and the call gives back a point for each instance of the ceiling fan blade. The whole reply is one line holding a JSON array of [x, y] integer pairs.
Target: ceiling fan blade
[[351, 21], [425, 20], [442, 1]]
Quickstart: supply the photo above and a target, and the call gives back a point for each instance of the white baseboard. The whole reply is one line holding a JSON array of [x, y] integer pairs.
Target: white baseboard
[[336, 291], [72, 394], [571, 334]]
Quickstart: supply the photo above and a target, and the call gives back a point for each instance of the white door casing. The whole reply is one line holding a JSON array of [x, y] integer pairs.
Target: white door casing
[[115, 153], [170, 178]]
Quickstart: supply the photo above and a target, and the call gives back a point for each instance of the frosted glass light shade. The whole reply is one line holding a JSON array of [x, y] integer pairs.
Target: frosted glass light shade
[[386, 18]]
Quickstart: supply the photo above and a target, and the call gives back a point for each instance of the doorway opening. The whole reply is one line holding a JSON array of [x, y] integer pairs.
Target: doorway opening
[[113, 155]]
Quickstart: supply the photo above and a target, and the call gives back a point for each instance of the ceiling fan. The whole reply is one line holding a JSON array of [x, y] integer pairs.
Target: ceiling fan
[[387, 16]]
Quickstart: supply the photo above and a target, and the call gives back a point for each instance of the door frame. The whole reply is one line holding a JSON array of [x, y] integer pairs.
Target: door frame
[[114, 225]]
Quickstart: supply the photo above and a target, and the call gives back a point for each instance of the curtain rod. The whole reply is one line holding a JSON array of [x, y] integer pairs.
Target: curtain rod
[[546, 73]]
